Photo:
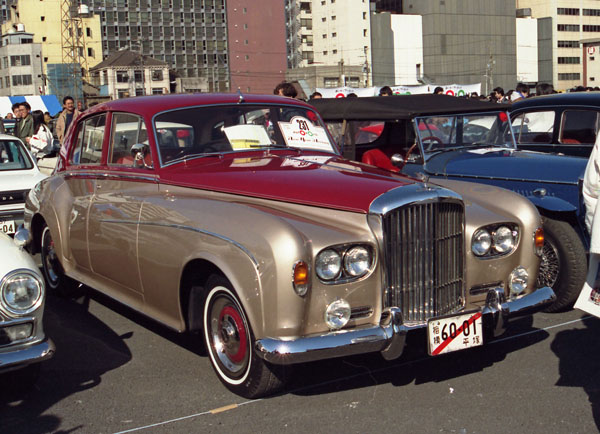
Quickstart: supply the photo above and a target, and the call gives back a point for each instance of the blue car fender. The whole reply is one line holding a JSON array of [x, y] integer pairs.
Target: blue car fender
[[552, 203]]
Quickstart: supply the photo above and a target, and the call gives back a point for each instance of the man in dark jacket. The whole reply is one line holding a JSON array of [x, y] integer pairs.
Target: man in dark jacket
[[25, 126]]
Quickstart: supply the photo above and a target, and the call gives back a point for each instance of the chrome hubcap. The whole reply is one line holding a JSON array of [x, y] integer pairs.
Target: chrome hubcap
[[549, 266], [229, 335]]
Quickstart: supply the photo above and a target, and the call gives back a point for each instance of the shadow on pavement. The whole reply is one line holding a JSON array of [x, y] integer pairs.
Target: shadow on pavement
[[86, 348], [579, 361], [415, 365]]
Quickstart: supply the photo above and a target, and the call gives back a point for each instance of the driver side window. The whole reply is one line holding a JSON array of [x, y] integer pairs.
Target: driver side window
[[127, 130]]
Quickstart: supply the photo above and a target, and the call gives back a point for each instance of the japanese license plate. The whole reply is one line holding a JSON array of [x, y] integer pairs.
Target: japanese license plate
[[7, 226], [454, 333]]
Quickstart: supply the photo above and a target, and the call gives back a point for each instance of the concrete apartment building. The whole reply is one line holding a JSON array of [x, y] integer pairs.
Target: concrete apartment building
[[329, 42], [20, 64], [257, 45], [569, 39]]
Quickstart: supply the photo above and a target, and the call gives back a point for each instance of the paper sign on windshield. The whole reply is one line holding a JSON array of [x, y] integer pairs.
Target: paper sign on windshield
[[299, 132], [247, 136]]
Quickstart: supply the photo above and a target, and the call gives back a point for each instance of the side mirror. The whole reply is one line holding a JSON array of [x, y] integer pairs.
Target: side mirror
[[139, 151], [398, 160]]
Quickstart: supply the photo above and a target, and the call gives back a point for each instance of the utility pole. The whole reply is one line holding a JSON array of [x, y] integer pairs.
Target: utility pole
[[73, 56]]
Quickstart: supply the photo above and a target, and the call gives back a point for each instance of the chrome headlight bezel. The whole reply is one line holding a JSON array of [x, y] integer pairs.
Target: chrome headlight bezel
[[503, 239], [36, 298], [349, 256]]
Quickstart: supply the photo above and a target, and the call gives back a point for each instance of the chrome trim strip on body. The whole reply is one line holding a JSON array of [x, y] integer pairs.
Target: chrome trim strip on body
[[25, 356], [103, 174], [188, 228], [410, 194], [390, 335]]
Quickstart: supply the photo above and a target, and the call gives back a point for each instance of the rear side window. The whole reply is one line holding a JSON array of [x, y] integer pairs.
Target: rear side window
[[90, 135], [578, 126], [534, 127]]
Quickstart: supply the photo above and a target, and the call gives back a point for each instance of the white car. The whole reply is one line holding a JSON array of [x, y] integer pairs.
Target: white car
[[19, 173], [23, 343]]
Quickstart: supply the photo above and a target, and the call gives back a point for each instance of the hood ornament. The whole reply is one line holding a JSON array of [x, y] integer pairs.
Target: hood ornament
[[423, 178]]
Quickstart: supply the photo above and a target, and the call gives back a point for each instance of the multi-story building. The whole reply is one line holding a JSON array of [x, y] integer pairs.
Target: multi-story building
[[329, 42], [45, 21], [566, 28], [468, 41], [189, 35], [20, 64], [257, 44], [127, 73]]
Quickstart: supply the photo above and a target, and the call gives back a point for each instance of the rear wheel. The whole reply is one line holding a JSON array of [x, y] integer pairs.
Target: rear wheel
[[229, 342], [54, 274], [564, 264]]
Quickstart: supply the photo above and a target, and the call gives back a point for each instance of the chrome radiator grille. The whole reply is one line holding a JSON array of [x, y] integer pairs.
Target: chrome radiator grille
[[424, 254]]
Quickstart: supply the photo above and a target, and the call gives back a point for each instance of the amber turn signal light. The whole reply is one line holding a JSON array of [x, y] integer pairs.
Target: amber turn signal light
[[301, 278], [539, 240]]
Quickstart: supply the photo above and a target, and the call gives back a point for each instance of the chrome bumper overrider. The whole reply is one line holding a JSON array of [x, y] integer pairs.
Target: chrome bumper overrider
[[21, 357], [389, 336]]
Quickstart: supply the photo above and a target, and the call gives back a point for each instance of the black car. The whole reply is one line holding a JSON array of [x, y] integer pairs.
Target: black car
[[445, 137], [565, 123]]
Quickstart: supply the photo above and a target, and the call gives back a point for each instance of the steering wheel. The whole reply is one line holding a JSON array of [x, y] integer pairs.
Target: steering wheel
[[431, 139]]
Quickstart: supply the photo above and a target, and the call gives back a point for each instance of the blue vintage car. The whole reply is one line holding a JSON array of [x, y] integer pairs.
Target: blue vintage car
[[444, 137]]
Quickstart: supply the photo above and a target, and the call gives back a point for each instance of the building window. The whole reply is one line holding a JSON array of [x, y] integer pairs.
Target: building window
[[365, 32], [157, 75], [591, 12], [21, 80], [138, 76], [324, 36], [592, 78], [364, 15], [246, 57], [569, 76], [245, 26], [306, 23], [42, 18], [568, 44], [323, 19], [122, 77], [568, 27], [591, 28], [334, 34], [20, 60], [6, 81], [334, 51], [91, 52], [567, 11], [324, 53], [330, 81], [569, 60], [157, 91], [333, 18], [88, 32]]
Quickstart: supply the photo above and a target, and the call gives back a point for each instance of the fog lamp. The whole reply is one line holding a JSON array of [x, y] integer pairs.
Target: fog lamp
[[337, 314], [518, 280]]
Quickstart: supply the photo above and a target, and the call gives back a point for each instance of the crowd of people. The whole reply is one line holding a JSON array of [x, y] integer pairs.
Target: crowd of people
[[38, 129]]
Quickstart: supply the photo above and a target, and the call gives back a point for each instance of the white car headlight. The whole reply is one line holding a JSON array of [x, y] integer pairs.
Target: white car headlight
[[482, 242], [328, 264], [21, 292], [357, 261], [503, 239]]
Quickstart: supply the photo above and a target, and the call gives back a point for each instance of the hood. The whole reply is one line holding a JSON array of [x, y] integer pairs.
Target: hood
[[311, 179], [502, 163], [13, 180]]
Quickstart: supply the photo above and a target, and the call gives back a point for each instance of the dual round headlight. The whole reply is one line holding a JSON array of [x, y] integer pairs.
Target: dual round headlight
[[343, 263], [494, 241], [21, 292]]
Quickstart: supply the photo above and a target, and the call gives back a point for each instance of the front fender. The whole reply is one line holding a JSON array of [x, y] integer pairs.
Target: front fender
[[551, 203]]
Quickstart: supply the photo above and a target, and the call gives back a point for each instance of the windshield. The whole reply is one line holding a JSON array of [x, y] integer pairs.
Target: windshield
[[232, 128], [13, 156], [469, 130]]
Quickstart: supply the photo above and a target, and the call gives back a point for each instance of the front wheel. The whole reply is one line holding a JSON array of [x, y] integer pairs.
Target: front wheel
[[564, 264], [229, 342], [54, 274]]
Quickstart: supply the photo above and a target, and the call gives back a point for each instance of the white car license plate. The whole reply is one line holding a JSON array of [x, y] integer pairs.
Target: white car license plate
[[7, 226], [454, 333]]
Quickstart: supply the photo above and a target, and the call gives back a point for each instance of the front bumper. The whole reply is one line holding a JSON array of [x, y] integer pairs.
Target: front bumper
[[23, 356], [390, 335]]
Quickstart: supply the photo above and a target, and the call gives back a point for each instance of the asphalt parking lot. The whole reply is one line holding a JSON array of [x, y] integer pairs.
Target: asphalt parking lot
[[118, 372]]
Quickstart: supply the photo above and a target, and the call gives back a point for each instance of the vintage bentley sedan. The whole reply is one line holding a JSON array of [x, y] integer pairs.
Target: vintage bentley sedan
[[235, 216], [23, 344], [444, 137]]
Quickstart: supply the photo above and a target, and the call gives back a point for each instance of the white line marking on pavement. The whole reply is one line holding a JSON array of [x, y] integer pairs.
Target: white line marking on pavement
[[336, 380]]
